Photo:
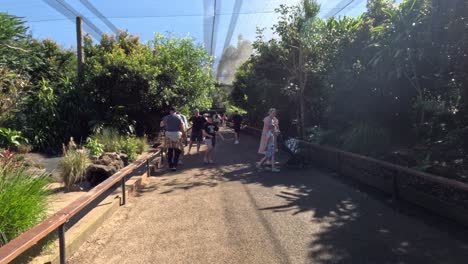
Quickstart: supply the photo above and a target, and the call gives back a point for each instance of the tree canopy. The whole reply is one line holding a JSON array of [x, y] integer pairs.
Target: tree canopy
[[394, 76], [128, 84]]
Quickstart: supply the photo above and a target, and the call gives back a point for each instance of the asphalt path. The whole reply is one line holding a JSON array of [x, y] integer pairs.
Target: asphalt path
[[230, 213]]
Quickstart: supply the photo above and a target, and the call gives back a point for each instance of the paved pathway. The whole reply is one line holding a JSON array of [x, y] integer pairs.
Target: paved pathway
[[228, 213]]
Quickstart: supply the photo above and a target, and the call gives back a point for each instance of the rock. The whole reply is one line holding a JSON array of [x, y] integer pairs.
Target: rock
[[105, 159], [97, 173], [124, 158], [94, 158], [105, 166]]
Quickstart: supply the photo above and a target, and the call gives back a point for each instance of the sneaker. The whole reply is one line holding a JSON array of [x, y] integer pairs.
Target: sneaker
[[258, 165], [205, 161], [236, 142], [275, 170], [173, 169]]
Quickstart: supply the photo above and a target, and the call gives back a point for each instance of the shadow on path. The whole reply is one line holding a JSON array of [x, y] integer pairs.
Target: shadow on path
[[358, 224]]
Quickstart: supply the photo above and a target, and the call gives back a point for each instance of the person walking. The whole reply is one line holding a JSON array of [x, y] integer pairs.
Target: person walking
[[216, 118], [198, 121], [225, 119], [267, 121], [210, 131], [184, 139], [174, 133], [184, 120], [270, 150], [237, 123]]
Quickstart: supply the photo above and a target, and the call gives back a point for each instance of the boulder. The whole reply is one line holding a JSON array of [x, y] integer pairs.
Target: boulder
[[124, 158], [104, 167]]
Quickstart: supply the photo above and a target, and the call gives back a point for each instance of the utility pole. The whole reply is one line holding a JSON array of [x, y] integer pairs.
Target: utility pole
[[79, 50]]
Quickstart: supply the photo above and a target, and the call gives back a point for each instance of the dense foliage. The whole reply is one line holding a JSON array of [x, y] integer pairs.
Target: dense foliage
[[395, 76], [128, 85], [110, 140]]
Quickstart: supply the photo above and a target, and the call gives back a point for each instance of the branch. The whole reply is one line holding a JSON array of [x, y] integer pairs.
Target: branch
[[15, 48]]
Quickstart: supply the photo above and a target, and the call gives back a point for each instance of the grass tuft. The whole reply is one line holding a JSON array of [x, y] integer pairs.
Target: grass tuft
[[23, 200], [73, 166]]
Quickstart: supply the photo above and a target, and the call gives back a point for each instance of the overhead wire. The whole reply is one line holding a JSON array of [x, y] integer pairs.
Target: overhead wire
[[346, 3], [157, 16], [70, 13], [213, 30], [232, 23], [101, 16]]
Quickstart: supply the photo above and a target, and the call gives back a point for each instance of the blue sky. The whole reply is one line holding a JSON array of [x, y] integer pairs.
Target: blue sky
[[178, 17]]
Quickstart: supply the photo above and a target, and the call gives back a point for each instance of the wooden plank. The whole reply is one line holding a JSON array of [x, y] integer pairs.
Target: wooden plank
[[29, 238]]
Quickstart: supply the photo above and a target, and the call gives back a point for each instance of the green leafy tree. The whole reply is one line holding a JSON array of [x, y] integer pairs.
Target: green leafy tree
[[130, 84], [398, 73]]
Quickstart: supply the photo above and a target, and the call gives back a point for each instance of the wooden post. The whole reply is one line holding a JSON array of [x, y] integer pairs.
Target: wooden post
[[79, 50]]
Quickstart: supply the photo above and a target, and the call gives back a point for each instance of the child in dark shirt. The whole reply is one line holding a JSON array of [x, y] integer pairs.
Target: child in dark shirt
[[210, 130]]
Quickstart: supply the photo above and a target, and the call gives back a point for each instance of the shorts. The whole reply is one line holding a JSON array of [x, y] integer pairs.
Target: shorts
[[196, 136], [210, 142], [270, 150], [173, 140], [237, 128]]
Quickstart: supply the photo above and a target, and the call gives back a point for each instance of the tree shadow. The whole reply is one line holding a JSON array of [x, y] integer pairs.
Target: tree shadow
[[358, 225], [169, 181], [352, 223]]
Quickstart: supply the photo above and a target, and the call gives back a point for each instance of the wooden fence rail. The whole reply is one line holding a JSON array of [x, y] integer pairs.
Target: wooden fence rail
[[57, 221]]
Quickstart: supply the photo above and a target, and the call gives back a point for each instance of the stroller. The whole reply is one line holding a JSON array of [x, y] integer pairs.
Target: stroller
[[295, 156]]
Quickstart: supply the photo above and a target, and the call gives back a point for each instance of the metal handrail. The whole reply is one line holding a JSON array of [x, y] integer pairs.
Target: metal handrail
[[26, 240]]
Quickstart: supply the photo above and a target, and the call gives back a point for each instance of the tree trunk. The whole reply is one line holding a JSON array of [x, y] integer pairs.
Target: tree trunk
[[301, 93]]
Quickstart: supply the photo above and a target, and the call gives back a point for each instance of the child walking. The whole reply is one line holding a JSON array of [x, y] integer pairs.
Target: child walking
[[210, 130], [270, 150]]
